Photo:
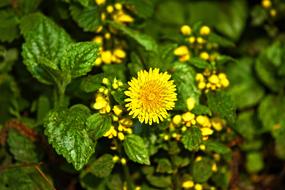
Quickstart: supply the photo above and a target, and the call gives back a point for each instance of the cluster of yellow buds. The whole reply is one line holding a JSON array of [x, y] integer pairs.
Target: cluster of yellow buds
[[211, 80], [102, 102], [267, 4], [122, 160], [115, 56], [189, 184], [195, 43]]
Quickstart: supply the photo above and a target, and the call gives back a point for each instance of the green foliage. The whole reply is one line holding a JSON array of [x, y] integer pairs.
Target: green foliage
[[192, 139], [98, 125], [202, 170], [101, 167], [9, 25], [136, 150], [68, 133]]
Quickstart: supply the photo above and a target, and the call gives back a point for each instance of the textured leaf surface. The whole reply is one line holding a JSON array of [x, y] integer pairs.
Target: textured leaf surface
[[9, 26], [202, 170], [192, 139], [98, 124], [102, 167], [136, 149], [68, 134]]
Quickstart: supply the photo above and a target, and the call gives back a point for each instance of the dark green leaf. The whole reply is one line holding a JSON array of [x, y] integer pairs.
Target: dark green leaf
[[164, 166], [142, 8], [199, 63], [202, 170], [101, 167], [217, 147], [98, 124], [87, 18], [22, 148], [68, 134], [91, 83], [221, 104], [159, 181], [192, 139], [136, 149], [9, 26]]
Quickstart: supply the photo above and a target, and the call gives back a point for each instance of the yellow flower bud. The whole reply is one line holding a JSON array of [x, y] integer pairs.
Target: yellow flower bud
[[177, 119], [214, 79], [198, 186], [190, 103], [204, 55], [98, 39], [188, 184], [188, 116], [201, 40], [222, 76], [116, 158], [110, 8], [174, 135], [266, 4], [206, 131], [138, 188], [99, 29], [106, 57], [119, 53], [199, 77], [117, 110], [100, 2], [205, 30], [103, 16], [202, 147], [166, 137], [123, 161], [183, 129], [217, 124], [186, 30], [111, 133], [122, 17], [98, 61], [198, 158], [118, 6], [273, 12], [105, 81], [115, 118], [107, 35], [203, 120], [214, 167], [184, 58], [121, 136], [181, 50], [201, 85], [225, 82], [191, 40]]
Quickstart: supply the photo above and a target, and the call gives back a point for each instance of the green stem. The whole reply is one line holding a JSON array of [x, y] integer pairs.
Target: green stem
[[61, 95]]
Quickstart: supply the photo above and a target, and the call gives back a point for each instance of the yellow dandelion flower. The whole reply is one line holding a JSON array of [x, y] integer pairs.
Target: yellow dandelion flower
[[151, 95]]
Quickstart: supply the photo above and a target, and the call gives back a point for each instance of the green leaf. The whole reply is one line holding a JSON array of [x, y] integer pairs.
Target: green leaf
[[91, 83], [115, 71], [217, 147], [98, 124], [184, 77], [23, 178], [79, 58], [192, 139], [27, 7], [68, 134], [22, 148], [159, 181], [87, 18], [164, 166], [142, 39], [142, 8], [228, 17], [244, 88], [221, 104], [199, 63], [9, 26], [101, 167], [269, 116], [45, 44], [43, 107], [202, 170], [223, 42], [8, 57], [136, 149], [170, 12], [254, 162], [246, 125]]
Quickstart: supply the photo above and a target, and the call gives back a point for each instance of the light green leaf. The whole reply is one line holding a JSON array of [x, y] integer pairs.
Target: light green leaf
[[68, 134], [79, 58], [184, 78], [254, 162], [136, 149], [142, 8], [9, 26], [45, 44], [192, 139], [217, 147], [98, 124]]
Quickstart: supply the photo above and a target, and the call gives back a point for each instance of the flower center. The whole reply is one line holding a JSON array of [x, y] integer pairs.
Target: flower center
[[151, 96]]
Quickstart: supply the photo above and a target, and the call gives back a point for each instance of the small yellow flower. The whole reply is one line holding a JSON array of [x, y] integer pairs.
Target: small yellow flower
[[122, 17], [273, 12], [204, 55], [116, 158], [198, 186], [205, 30], [117, 110], [186, 30], [201, 40], [202, 147], [106, 57], [181, 50], [190, 103], [203, 120], [188, 184], [105, 81], [98, 39], [123, 161], [188, 116], [166, 137], [110, 8], [121, 54], [206, 131], [266, 4], [191, 40], [101, 103], [100, 2], [121, 136], [214, 167], [177, 119], [214, 79], [151, 95], [111, 133], [118, 6], [199, 77]]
